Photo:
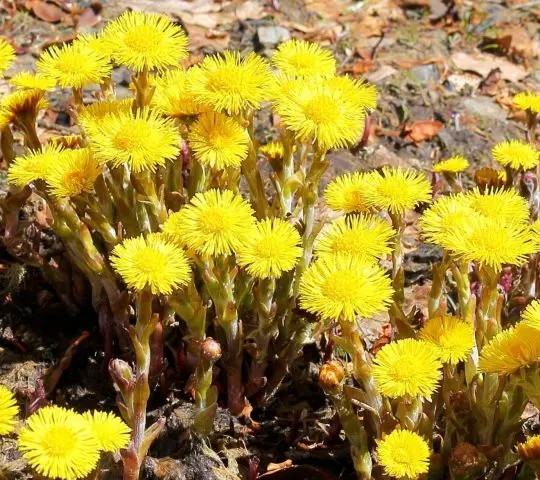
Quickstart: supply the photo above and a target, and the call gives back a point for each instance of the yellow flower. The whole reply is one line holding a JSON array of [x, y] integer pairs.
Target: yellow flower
[[403, 454], [73, 65], [452, 337], [142, 140], [531, 315], [511, 349], [516, 154], [529, 451], [213, 223], [172, 96], [528, 101], [344, 287], [111, 432], [304, 59], [34, 165], [92, 116], [229, 83], [365, 237], [152, 262], [273, 150], [218, 141], [407, 368], [273, 248], [67, 141], [29, 80], [59, 443], [8, 411], [329, 114], [74, 173], [506, 206], [489, 242], [22, 108], [96, 42], [453, 164], [438, 221], [364, 94], [396, 190], [143, 41], [346, 193], [7, 54]]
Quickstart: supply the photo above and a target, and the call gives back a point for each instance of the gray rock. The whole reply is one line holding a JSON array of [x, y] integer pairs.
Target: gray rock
[[426, 73], [272, 35], [484, 107]]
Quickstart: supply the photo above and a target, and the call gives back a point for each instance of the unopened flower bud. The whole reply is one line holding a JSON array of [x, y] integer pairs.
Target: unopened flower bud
[[122, 374], [210, 350], [331, 376], [530, 450], [467, 462]]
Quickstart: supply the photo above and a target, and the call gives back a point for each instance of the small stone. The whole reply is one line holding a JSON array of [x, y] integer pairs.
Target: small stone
[[272, 35], [484, 107], [425, 74]]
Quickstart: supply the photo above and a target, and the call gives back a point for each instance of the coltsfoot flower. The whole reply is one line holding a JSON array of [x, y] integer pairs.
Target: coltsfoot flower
[[273, 150], [403, 454], [516, 154], [30, 80], [529, 451], [453, 338], [343, 287], [34, 165], [22, 108], [231, 84], [528, 101], [143, 41], [110, 431], [346, 193], [531, 315], [408, 368], [273, 248], [153, 262], [504, 205], [218, 141], [7, 54], [303, 59], [94, 115], [8, 410], [396, 189], [59, 443], [453, 164], [365, 237], [213, 223], [143, 140]]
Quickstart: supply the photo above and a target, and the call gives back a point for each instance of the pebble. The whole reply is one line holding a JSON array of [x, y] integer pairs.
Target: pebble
[[272, 35]]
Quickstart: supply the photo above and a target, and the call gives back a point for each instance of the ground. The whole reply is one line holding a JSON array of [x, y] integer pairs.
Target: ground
[[446, 73]]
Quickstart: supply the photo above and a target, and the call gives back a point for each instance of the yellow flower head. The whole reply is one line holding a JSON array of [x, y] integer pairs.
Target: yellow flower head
[[231, 84], [344, 287], [21, 108], [531, 315], [218, 141], [489, 242], [8, 411], [453, 164], [34, 165], [516, 154], [346, 193], [111, 432], [152, 262], [322, 111], [529, 451], [408, 368], [304, 59], [273, 248], [505, 206], [146, 41], [67, 141], [511, 349], [528, 101], [438, 221], [396, 189], [59, 443], [74, 173], [273, 150], [489, 178], [452, 337], [172, 96], [403, 454], [365, 237], [73, 65], [92, 116], [29, 80], [7, 54], [214, 223], [364, 94], [143, 140], [95, 42]]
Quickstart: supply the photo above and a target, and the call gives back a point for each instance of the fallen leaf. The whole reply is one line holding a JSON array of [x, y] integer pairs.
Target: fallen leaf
[[482, 64], [499, 44], [88, 18], [200, 37], [422, 130], [413, 3], [272, 467], [250, 10], [368, 26], [46, 11]]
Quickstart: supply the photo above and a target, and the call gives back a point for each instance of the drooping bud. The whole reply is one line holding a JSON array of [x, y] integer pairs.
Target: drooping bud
[[530, 450], [467, 462], [122, 374], [331, 376], [210, 350]]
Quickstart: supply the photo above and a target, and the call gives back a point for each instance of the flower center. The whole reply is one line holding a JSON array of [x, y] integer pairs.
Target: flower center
[[149, 262], [59, 441], [142, 39], [268, 248], [217, 140], [322, 109], [342, 286], [227, 80], [75, 181], [129, 137], [215, 221]]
